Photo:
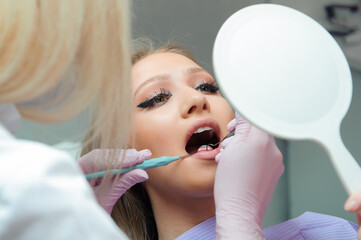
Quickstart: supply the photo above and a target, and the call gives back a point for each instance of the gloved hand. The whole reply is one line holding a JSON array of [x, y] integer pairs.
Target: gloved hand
[[96, 161], [249, 166], [353, 204]]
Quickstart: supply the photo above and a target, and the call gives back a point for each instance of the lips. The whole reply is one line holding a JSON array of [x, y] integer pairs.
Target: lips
[[200, 133]]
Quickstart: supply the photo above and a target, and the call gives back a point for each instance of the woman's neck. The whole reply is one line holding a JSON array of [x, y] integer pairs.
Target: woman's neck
[[175, 215]]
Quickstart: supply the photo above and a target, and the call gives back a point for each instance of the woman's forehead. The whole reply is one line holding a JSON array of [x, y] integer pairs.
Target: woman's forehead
[[161, 63], [162, 66]]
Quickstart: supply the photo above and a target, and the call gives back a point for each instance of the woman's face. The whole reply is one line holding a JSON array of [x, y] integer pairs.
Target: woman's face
[[177, 110]]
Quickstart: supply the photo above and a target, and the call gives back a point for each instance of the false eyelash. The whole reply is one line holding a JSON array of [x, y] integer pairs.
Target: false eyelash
[[149, 103], [211, 83]]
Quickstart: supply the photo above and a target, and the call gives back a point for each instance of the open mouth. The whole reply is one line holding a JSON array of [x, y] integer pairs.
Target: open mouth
[[200, 139]]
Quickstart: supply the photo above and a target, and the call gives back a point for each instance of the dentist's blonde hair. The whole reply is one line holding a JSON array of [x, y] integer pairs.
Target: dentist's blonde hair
[[76, 50]]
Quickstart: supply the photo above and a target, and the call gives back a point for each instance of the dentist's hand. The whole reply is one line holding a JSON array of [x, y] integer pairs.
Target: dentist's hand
[[249, 167], [96, 161], [353, 204]]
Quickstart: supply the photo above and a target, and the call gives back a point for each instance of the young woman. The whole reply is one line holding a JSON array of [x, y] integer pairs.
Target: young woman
[[178, 110]]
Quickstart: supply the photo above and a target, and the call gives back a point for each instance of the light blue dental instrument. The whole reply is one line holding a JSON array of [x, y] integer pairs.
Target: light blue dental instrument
[[147, 164], [150, 163]]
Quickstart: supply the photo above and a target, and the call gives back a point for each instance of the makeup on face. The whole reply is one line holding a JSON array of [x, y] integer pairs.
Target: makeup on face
[[158, 87], [162, 95], [162, 83], [203, 132], [177, 110]]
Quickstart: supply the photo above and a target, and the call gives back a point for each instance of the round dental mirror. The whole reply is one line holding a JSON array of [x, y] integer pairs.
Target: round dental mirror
[[285, 73]]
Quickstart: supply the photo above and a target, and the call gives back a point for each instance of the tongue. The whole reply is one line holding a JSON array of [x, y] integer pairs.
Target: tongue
[[204, 148]]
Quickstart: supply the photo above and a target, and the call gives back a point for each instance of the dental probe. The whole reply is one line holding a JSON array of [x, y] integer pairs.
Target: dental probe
[[147, 164], [230, 134]]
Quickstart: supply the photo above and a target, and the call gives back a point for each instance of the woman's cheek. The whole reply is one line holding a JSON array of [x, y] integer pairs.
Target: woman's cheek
[[150, 135]]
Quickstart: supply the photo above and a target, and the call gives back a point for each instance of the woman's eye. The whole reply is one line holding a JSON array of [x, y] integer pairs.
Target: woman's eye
[[207, 88], [204, 88], [158, 99]]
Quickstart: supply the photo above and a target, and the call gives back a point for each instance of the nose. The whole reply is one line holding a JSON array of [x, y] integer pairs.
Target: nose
[[194, 102]]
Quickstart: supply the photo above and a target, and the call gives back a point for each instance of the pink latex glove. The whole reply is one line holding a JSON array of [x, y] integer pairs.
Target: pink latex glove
[[108, 197], [353, 204], [249, 167]]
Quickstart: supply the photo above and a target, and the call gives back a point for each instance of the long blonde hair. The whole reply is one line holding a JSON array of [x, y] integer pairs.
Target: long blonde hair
[[133, 212], [77, 50]]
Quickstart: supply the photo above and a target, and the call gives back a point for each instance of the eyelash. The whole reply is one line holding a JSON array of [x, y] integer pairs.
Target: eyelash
[[166, 94], [213, 88], [152, 102]]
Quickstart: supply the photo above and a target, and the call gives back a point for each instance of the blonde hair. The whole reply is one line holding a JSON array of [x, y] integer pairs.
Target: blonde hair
[[77, 50], [133, 212]]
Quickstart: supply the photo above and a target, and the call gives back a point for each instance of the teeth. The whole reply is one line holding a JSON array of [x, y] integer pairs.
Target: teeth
[[204, 148], [202, 129]]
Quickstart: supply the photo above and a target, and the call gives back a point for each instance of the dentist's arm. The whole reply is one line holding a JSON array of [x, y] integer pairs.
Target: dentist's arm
[[44, 195], [249, 166]]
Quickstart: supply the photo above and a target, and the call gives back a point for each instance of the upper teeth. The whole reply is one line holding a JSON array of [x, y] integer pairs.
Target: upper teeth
[[202, 129]]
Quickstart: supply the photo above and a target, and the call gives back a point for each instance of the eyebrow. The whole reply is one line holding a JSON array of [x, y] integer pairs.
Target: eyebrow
[[163, 77]]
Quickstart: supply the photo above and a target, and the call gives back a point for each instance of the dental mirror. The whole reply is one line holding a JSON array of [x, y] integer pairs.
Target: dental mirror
[[285, 73]]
